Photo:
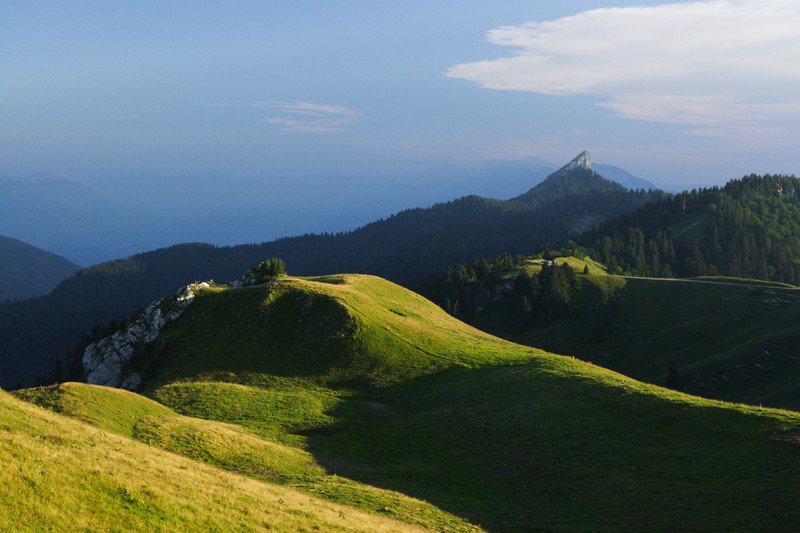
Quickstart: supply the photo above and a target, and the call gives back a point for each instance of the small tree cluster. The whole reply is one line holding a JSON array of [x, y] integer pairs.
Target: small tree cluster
[[267, 271]]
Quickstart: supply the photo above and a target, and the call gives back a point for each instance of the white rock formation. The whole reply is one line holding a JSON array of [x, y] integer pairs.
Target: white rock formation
[[105, 362], [582, 160]]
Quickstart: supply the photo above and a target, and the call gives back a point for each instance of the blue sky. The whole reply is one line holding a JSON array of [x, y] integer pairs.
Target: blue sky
[[156, 96]]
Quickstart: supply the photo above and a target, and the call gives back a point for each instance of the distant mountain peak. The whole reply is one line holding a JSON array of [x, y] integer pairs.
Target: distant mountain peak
[[582, 160], [576, 177]]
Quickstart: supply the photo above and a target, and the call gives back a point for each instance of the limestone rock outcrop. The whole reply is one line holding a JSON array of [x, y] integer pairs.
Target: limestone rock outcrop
[[107, 362]]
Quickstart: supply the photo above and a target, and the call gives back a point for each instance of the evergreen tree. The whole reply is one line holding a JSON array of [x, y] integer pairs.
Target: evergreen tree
[[267, 270]]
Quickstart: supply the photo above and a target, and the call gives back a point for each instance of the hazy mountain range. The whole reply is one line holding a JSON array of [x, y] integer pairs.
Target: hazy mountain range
[[87, 223], [405, 247], [27, 271]]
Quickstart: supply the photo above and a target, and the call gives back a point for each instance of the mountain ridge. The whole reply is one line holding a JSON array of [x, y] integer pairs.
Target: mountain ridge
[[576, 177], [623, 177], [405, 248], [27, 271], [747, 228]]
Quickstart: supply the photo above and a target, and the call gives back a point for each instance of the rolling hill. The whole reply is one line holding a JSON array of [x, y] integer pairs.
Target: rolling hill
[[27, 271], [405, 248], [726, 338], [356, 377]]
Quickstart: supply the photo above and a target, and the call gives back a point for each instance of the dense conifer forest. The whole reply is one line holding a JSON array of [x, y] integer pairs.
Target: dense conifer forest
[[748, 228]]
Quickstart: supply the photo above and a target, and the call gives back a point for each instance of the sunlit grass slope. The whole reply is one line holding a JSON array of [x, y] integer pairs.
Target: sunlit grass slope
[[387, 389], [368, 381], [61, 474], [331, 330], [577, 264], [230, 447]]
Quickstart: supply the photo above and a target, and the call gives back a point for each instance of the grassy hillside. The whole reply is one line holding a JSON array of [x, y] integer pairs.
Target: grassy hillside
[[62, 474], [729, 338], [231, 447], [404, 247], [27, 271], [372, 383]]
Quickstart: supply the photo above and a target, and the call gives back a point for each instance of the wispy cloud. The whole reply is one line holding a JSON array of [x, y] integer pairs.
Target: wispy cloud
[[728, 68], [301, 116]]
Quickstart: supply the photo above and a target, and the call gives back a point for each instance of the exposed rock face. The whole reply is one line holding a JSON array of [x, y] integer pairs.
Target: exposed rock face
[[582, 160], [106, 362]]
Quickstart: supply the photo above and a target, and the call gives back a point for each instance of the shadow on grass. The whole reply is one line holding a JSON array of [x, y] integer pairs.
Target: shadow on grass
[[507, 447]]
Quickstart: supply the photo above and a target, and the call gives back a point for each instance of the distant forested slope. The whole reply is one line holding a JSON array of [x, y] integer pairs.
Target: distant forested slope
[[405, 248], [748, 228], [27, 271]]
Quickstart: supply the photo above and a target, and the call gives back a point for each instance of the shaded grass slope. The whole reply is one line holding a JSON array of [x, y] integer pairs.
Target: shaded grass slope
[[730, 339], [386, 388]]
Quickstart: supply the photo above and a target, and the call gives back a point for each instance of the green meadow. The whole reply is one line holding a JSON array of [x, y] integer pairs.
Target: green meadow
[[356, 392]]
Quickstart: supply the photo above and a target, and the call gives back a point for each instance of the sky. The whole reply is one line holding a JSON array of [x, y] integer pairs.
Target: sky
[[218, 100]]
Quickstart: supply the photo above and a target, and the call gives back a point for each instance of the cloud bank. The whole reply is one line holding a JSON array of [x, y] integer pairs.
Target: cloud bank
[[723, 67]]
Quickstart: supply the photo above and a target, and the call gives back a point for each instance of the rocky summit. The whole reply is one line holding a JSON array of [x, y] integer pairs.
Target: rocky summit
[[582, 160]]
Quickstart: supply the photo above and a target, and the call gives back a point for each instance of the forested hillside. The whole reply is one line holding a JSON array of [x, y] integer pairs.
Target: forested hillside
[[27, 271], [748, 228], [405, 248]]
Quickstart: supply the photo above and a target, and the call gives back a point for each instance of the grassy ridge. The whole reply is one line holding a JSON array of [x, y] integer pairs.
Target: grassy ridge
[[332, 330], [413, 400], [354, 378]]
